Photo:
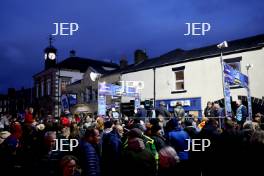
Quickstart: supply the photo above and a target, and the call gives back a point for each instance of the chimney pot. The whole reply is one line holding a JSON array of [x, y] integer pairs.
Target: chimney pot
[[72, 53]]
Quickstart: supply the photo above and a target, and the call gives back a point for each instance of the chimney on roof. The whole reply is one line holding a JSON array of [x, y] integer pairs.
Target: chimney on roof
[[72, 53], [123, 62], [140, 56]]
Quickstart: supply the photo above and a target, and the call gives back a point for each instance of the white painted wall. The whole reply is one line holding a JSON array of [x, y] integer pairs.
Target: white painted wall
[[147, 77], [202, 79]]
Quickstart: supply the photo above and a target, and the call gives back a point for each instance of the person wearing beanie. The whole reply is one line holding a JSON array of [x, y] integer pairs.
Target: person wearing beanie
[[159, 140]]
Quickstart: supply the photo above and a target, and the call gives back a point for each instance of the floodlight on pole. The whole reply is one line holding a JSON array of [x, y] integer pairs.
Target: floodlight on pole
[[222, 45]]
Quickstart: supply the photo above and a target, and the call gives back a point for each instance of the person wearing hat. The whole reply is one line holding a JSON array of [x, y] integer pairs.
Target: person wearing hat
[[159, 140], [136, 159], [179, 112], [162, 110]]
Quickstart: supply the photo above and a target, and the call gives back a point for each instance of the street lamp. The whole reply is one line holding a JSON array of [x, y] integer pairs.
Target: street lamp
[[248, 66], [221, 46]]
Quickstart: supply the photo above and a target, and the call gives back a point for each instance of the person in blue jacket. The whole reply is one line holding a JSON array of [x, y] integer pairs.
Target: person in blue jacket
[[89, 153]]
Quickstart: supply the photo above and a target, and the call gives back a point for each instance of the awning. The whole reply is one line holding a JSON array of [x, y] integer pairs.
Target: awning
[[80, 108]]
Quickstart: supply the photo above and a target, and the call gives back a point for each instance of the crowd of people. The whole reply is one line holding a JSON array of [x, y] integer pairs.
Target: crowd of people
[[109, 146]]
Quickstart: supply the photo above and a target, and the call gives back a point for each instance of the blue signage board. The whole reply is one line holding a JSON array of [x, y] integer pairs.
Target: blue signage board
[[72, 99], [137, 103], [105, 89], [101, 105], [64, 103], [116, 90], [131, 92]]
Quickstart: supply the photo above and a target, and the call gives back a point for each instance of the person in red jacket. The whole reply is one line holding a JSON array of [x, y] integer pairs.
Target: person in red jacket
[[77, 118], [29, 116], [65, 121]]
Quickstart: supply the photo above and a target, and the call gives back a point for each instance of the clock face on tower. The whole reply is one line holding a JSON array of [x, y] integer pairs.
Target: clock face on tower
[[52, 56]]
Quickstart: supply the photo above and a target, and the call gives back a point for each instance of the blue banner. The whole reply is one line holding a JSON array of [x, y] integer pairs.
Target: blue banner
[[72, 99], [105, 89], [234, 77], [64, 103], [137, 103], [101, 105], [227, 100], [116, 90], [249, 105]]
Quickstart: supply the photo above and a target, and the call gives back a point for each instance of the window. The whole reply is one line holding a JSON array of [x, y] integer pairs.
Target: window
[[179, 80], [42, 88], [82, 97], [37, 90], [96, 95], [87, 94], [64, 83], [179, 86], [48, 87], [90, 94], [234, 63]]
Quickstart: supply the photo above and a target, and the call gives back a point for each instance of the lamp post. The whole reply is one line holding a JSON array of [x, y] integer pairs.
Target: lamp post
[[221, 46], [248, 66], [96, 77]]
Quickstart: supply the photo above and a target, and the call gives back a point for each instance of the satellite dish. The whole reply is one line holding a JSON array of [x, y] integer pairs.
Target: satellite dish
[[94, 76]]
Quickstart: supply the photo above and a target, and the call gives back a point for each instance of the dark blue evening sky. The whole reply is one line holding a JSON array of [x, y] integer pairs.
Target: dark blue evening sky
[[110, 29]]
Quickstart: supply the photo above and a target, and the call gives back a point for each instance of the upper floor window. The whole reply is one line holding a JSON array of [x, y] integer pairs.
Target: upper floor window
[[179, 78], [42, 88], [49, 87], [234, 63]]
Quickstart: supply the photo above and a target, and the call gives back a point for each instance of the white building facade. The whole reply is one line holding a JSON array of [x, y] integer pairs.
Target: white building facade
[[197, 78]]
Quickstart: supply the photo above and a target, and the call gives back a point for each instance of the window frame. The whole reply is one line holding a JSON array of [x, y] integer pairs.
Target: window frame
[[178, 81], [42, 87], [236, 60], [48, 86]]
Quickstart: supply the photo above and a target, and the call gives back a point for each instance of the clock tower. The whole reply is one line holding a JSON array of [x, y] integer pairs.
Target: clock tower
[[50, 55]]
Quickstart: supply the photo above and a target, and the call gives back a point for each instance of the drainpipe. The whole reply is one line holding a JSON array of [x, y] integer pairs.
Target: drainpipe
[[154, 90]]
